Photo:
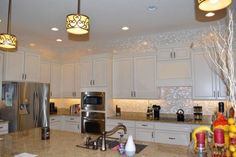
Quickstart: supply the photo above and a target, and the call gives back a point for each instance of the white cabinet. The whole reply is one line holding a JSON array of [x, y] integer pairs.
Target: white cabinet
[[173, 67], [134, 77], [68, 80], [93, 72], [56, 122], [206, 82], [1, 72], [65, 123], [130, 125], [3, 128], [45, 72], [72, 124], [55, 83], [21, 66], [144, 131], [168, 133]]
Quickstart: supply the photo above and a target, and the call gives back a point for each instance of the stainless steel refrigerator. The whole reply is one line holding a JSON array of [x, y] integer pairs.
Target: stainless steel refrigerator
[[25, 105]]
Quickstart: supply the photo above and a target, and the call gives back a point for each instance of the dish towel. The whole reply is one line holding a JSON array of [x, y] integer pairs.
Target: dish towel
[[25, 155]]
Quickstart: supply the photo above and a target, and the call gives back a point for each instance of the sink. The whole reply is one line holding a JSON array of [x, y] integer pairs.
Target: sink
[[111, 143]]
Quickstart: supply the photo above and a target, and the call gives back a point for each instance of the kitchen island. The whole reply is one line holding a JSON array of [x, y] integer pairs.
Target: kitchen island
[[63, 144]]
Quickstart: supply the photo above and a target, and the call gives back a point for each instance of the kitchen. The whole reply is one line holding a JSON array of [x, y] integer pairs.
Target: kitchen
[[166, 70]]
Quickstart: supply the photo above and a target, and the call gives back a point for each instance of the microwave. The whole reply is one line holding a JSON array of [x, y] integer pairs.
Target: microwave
[[93, 101]]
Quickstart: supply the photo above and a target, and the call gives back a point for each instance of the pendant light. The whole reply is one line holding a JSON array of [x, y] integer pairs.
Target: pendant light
[[77, 23], [213, 5], [7, 40]]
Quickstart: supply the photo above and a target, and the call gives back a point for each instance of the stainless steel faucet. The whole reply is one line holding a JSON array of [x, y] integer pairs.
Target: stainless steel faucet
[[109, 133]]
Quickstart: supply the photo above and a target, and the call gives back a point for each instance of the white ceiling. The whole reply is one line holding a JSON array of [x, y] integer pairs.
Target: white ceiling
[[32, 20]]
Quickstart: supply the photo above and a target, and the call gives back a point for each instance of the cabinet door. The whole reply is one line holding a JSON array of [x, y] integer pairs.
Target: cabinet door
[[55, 80], [99, 72], [45, 72], [13, 66], [68, 80], [1, 72], [203, 78], [122, 77], [221, 88], [144, 135], [32, 67], [86, 73], [145, 77], [174, 72]]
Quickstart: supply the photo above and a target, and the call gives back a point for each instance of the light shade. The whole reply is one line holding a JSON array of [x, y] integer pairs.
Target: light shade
[[213, 5], [8, 41], [77, 24]]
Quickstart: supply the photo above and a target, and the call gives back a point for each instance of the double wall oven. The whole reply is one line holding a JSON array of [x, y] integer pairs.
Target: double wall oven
[[93, 112]]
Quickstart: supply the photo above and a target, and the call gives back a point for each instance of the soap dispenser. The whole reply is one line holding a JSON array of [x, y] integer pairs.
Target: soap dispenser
[[130, 148]]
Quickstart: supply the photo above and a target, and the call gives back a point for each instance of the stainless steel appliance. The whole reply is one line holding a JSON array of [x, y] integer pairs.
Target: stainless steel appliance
[[93, 122], [25, 105], [93, 101]]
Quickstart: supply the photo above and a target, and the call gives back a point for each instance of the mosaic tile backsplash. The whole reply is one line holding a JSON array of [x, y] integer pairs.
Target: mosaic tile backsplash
[[172, 99]]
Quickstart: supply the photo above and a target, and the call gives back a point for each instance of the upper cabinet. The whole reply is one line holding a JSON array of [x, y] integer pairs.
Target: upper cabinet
[[45, 72], [70, 80], [55, 83], [134, 77], [174, 67], [94, 71], [206, 82], [21, 66]]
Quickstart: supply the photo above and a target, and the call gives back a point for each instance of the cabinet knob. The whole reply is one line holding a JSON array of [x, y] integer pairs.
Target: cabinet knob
[[171, 138], [144, 124]]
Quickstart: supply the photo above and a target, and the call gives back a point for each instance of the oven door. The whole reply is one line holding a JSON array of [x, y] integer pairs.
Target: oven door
[[93, 122], [93, 101]]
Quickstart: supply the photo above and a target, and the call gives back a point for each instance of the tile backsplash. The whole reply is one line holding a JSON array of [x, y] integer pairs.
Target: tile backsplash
[[171, 99]]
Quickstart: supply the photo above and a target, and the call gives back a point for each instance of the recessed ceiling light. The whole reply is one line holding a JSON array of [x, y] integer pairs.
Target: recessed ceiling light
[[59, 40], [32, 44], [54, 29], [152, 8], [125, 28], [145, 43], [210, 14]]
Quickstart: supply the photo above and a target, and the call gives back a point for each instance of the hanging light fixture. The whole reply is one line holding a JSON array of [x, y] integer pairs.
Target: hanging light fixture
[[213, 5], [7, 40], [77, 23]]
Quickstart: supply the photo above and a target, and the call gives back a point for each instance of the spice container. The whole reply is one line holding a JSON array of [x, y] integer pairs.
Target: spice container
[[197, 112]]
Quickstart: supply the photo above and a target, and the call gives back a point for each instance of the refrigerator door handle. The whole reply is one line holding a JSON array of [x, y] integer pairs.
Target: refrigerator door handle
[[34, 108], [37, 109]]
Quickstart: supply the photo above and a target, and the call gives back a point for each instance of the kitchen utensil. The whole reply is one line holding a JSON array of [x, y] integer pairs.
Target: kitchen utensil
[[180, 115], [156, 111]]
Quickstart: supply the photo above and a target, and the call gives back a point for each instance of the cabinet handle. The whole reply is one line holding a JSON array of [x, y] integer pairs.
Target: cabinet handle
[[134, 94], [144, 124], [171, 138], [90, 82], [53, 119], [174, 54], [50, 93], [171, 55], [152, 134], [214, 94], [218, 94], [25, 76], [1, 127], [75, 93], [72, 119], [120, 123], [93, 82], [131, 93]]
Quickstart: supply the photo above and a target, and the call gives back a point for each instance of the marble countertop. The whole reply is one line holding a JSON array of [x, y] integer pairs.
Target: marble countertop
[[168, 118], [63, 144]]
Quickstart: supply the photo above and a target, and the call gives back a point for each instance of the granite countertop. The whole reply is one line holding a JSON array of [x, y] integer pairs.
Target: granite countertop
[[165, 118], [63, 144]]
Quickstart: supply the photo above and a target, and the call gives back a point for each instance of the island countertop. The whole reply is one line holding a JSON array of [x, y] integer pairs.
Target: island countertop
[[63, 144]]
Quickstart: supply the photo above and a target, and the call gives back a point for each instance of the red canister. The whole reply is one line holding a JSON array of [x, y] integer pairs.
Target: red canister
[[201, 136], [219, 137]]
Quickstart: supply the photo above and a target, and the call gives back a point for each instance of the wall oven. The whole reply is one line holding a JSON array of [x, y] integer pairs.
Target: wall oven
[[93, 101], [93, 122]]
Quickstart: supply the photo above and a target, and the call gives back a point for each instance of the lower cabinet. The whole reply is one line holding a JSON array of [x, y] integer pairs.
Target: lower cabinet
[[65, 123], [159, 132], [144, 131], [3, 128], [178, 134]]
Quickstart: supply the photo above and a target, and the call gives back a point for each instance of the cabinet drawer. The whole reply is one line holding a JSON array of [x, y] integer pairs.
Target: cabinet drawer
[[173, 127], [4, 127], [167, 137], [55, 119], [72, 118], [127, 123], [145, 125]]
